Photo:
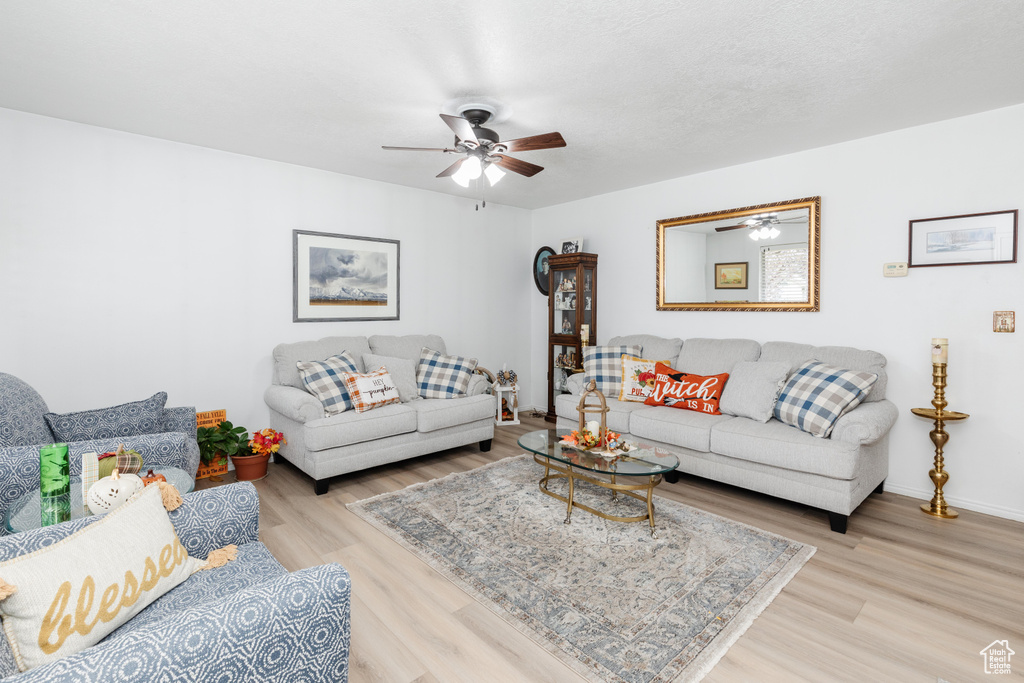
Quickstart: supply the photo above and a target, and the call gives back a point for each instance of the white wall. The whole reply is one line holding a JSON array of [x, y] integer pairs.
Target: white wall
[[684, 251], [870, 188], [130, 265]]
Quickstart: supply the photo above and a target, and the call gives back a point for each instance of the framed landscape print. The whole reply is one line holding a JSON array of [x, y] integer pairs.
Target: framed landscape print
[[731, 275], [971, 239], [343, 277]]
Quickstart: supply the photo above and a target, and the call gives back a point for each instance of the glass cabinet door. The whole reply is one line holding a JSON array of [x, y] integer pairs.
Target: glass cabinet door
[[566, 301], [586, 302], [566, 361]]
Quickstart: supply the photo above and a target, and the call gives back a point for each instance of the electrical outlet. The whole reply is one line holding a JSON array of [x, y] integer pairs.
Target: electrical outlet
[[1002, 321], [896, 269]]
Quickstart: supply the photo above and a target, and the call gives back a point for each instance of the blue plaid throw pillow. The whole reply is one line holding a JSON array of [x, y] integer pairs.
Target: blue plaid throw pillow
[[817, 395], [604, 365], [441, 376], [323, 379]]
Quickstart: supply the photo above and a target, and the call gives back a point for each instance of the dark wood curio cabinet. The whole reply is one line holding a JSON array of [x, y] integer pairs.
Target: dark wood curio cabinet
[[572, 308]]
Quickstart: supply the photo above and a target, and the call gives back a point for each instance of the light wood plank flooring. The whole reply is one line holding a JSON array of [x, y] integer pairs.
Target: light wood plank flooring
[[901, 597]]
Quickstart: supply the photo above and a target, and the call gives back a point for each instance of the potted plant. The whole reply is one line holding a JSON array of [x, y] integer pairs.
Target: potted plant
[[251, 462], [217, 443]]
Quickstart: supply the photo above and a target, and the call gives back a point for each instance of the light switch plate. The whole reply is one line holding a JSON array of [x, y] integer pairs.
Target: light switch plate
[[1002, 321], [896, 269]]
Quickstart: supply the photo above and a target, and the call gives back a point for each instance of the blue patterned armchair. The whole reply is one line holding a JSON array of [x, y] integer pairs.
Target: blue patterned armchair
[[249, 620], [23, 430]]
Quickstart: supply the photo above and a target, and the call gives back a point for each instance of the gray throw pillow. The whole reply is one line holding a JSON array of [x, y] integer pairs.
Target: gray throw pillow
[[753, 388], [127, 419], [402, 371]]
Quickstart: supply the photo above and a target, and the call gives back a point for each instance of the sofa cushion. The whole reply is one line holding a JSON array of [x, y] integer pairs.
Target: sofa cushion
[[351, 427], [686, 391], [617, 419], [402, 371], [603, 365], [127, 419], [779, 445], [715, 356], [638, 378], [839, 356], [371, 390], [408, 346], [441, 376], [684, 428], [655, 348], [433, 414], [325, 379], [753, 389], [287, 355], [817, 395]]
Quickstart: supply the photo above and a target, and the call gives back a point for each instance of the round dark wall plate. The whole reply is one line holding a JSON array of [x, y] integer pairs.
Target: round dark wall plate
[[540, 269]]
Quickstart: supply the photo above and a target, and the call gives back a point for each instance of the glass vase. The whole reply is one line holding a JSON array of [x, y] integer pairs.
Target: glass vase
[[54, 484]]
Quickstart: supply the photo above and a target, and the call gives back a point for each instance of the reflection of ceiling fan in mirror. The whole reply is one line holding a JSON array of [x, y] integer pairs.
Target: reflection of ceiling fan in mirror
[[763, 225], [484, 151]]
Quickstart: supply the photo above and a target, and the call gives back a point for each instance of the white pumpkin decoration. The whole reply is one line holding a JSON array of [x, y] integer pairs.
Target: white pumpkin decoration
[[111, 492]]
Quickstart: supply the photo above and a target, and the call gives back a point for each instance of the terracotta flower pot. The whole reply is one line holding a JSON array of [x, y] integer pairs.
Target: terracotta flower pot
[[250, 467]]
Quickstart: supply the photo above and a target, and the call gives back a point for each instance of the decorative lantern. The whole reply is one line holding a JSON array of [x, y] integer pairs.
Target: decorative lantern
[[601, 408]]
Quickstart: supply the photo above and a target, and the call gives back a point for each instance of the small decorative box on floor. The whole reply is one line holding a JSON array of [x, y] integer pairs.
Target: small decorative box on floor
[[507, 391]]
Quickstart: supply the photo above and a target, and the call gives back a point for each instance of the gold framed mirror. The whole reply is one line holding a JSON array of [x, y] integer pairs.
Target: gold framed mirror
[[756, 258]]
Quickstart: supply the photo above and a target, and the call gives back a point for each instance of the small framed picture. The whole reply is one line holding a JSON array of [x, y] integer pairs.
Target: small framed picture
[[540, 269], [970, 239], [559, 301], [731, 275], [573, 246]]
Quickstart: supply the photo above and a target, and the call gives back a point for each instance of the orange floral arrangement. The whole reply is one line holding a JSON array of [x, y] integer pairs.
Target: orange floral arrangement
[[266, 442], [587, 439]]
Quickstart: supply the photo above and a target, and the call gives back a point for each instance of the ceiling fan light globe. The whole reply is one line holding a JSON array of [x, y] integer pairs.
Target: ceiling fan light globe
[[773, 233], [471, 168], [764, 233], [461, 180], [494, 174], [754, 235]]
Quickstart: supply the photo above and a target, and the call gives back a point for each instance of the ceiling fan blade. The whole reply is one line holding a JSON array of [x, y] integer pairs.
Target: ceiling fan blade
[[462, 128], [419, 149], [518, 166], [535, 142], [732, 227], [451, 170]]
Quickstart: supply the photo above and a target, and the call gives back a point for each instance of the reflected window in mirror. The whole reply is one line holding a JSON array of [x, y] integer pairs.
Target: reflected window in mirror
[[755, 258]]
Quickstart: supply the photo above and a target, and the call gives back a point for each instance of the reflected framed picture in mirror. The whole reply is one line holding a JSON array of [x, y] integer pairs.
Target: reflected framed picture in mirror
[[731, 275]]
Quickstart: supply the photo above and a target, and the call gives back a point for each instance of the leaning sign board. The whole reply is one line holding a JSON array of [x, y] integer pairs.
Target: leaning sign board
[[219, 465]]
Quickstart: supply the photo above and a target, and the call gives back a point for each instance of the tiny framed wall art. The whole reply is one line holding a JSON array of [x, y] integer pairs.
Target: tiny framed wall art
[[343, 277], [731, 275], [970, 239], [573, 246]]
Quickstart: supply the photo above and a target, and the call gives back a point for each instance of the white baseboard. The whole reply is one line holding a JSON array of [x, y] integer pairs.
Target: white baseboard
[[926, 494]]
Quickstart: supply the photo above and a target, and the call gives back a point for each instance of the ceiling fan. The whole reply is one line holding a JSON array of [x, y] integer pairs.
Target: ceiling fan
[[485, 152], [762, 225]]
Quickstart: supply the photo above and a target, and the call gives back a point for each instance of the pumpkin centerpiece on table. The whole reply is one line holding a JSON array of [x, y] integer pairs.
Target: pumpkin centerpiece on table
[[113, 491]]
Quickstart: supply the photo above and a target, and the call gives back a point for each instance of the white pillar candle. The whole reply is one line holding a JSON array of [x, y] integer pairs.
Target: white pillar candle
[[940, 351], [594, 427]]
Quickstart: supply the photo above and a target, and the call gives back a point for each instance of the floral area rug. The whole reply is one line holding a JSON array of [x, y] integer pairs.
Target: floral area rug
[[604, 597]]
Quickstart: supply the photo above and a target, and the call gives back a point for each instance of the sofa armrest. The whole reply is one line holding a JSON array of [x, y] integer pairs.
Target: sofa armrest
[[574, 383], [478, 384], [292, 628], [867, 423], [216, 517], [295, 404], [182, 419]]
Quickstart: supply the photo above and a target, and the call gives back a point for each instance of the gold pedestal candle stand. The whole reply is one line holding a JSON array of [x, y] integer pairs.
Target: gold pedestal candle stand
[[939, 476]]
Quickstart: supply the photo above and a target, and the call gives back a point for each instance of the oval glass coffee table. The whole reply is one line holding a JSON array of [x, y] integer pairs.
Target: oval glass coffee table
[[25, 513], [643, 467]]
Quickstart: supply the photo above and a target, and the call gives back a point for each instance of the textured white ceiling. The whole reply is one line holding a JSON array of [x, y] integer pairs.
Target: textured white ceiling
[[642, 91]]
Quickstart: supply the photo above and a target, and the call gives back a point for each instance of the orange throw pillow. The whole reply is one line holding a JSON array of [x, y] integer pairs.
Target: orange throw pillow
[[689, 392]]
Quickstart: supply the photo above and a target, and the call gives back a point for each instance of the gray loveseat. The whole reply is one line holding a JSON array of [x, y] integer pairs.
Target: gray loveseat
[[834, 474], [325, 447]]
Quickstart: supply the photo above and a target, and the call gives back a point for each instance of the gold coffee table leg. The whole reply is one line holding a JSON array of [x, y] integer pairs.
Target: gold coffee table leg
[[615, 494], [650, 507], [568, 512]]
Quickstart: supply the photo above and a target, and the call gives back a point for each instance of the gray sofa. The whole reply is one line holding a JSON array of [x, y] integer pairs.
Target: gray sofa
[[834, 474], [325, 447]]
